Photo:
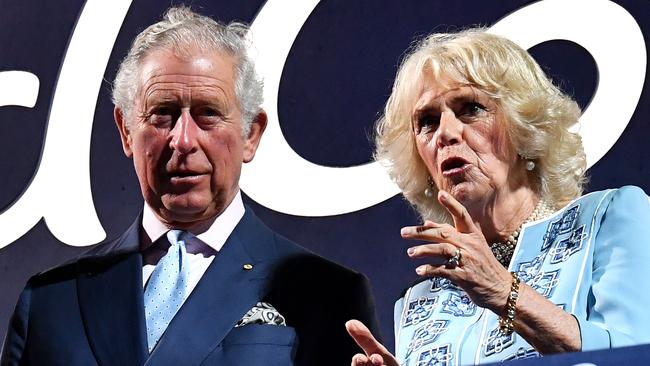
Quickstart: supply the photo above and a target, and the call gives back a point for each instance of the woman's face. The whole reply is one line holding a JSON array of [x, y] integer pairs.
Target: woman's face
[[460, 136]]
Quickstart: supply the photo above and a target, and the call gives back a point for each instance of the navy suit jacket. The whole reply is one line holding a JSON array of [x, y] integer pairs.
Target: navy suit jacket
[[91, 312]]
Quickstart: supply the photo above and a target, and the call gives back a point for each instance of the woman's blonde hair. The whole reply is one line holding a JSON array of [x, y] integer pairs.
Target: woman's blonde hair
[[537, 114]]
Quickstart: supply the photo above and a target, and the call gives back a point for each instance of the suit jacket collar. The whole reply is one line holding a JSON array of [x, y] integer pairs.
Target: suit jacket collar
[[109, 285], [112, 306], [222, 297]]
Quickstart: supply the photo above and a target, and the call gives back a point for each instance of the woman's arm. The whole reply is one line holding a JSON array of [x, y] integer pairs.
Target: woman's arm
[[618, 306], [543, 324]]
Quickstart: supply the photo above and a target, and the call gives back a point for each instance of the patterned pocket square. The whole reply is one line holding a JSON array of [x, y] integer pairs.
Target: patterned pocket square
[[262, 313]]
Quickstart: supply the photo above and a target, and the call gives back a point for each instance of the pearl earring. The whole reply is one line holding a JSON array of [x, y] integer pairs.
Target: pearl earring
[[428, 192], [530, 165]]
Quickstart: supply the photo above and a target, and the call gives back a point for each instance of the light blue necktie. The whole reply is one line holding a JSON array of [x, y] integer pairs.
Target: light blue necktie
[[167, 287]]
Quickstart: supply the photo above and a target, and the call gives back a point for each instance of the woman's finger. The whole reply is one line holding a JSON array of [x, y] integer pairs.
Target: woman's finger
[[439, 233], [429, 270], [377, 360], [361, 334], [363, 360], [462, 220], [360, 360], [436, 253], [375, 351]]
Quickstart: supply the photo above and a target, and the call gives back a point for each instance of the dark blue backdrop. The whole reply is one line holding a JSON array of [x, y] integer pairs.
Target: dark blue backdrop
[[337, 77]]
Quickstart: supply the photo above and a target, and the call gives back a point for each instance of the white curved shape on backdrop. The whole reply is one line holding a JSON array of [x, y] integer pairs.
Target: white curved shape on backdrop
[[19, 88], [619, 51], [283, 181], [60, 191], [278, 177]]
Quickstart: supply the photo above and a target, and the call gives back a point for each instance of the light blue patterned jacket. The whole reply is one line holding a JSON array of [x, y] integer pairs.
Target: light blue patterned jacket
[[592, 258]]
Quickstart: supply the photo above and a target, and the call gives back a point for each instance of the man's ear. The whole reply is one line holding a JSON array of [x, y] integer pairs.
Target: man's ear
[[121, 122], [252, 141]]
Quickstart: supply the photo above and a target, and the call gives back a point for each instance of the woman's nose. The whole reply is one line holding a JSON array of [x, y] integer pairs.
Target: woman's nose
[[184, 134], [450, 131]]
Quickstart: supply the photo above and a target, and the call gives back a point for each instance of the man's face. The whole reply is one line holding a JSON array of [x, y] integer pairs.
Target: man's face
[[184, 133]]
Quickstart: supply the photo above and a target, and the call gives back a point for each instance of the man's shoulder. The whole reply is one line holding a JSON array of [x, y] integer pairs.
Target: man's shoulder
[[305, 260], [293, 259], [290, 255], [94, 259], [303, 274]]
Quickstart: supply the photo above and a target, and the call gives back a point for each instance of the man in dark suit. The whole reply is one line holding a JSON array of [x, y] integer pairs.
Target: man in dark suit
[[197, 279]]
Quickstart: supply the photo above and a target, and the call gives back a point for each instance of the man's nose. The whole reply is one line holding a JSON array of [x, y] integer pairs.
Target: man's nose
[[184, 133], [450, 131]]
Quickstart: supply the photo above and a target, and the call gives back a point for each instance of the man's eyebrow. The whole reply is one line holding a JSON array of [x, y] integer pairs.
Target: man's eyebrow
[[162, 96]]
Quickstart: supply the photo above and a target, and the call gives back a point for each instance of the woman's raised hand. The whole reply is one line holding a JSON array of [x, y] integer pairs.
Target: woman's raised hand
[[477, 271]]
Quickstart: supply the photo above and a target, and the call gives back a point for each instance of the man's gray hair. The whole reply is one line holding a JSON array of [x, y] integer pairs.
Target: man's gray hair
[[180, 31]]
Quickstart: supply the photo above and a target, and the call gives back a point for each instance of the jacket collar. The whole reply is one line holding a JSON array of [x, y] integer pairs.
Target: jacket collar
[[109, 285], [228, 289]]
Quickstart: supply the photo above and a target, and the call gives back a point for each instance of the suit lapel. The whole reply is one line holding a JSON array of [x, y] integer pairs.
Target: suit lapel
[[223, 295], [111, 301]]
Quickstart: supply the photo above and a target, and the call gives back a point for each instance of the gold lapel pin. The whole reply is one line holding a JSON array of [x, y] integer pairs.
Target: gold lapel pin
[[248, 266]]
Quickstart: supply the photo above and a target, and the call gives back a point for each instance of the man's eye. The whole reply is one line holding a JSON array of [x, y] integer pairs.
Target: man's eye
[[163, 115], [163, 111], [208, 112], [166, 110]]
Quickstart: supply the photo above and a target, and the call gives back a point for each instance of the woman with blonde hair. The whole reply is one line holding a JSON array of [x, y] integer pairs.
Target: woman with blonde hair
[[519, 264]]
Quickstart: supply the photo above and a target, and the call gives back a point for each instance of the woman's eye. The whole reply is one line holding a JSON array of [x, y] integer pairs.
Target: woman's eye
[[428, 122], [473, 109]]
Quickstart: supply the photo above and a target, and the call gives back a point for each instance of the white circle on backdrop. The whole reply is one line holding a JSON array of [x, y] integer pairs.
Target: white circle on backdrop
[[278, 177], [281, 180], [619, 51]]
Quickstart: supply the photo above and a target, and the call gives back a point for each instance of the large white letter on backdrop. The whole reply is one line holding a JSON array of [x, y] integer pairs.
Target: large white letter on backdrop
[[60, 190], [283, 181]]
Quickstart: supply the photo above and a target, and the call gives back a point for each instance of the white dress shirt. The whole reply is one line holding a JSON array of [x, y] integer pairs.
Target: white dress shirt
[[214, 237]]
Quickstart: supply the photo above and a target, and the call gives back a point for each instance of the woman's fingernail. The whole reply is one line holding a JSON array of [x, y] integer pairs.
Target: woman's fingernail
[[420, 270], [411, 251], [404, 231]]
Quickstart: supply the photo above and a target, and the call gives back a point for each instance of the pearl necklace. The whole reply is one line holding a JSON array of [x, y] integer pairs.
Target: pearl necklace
[[503, 250]]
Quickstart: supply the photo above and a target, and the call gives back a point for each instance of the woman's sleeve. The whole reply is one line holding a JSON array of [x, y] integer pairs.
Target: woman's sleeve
[[619, 299]]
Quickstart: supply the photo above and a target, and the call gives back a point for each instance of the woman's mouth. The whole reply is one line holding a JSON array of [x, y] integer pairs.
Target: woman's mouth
[[453, 166]]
